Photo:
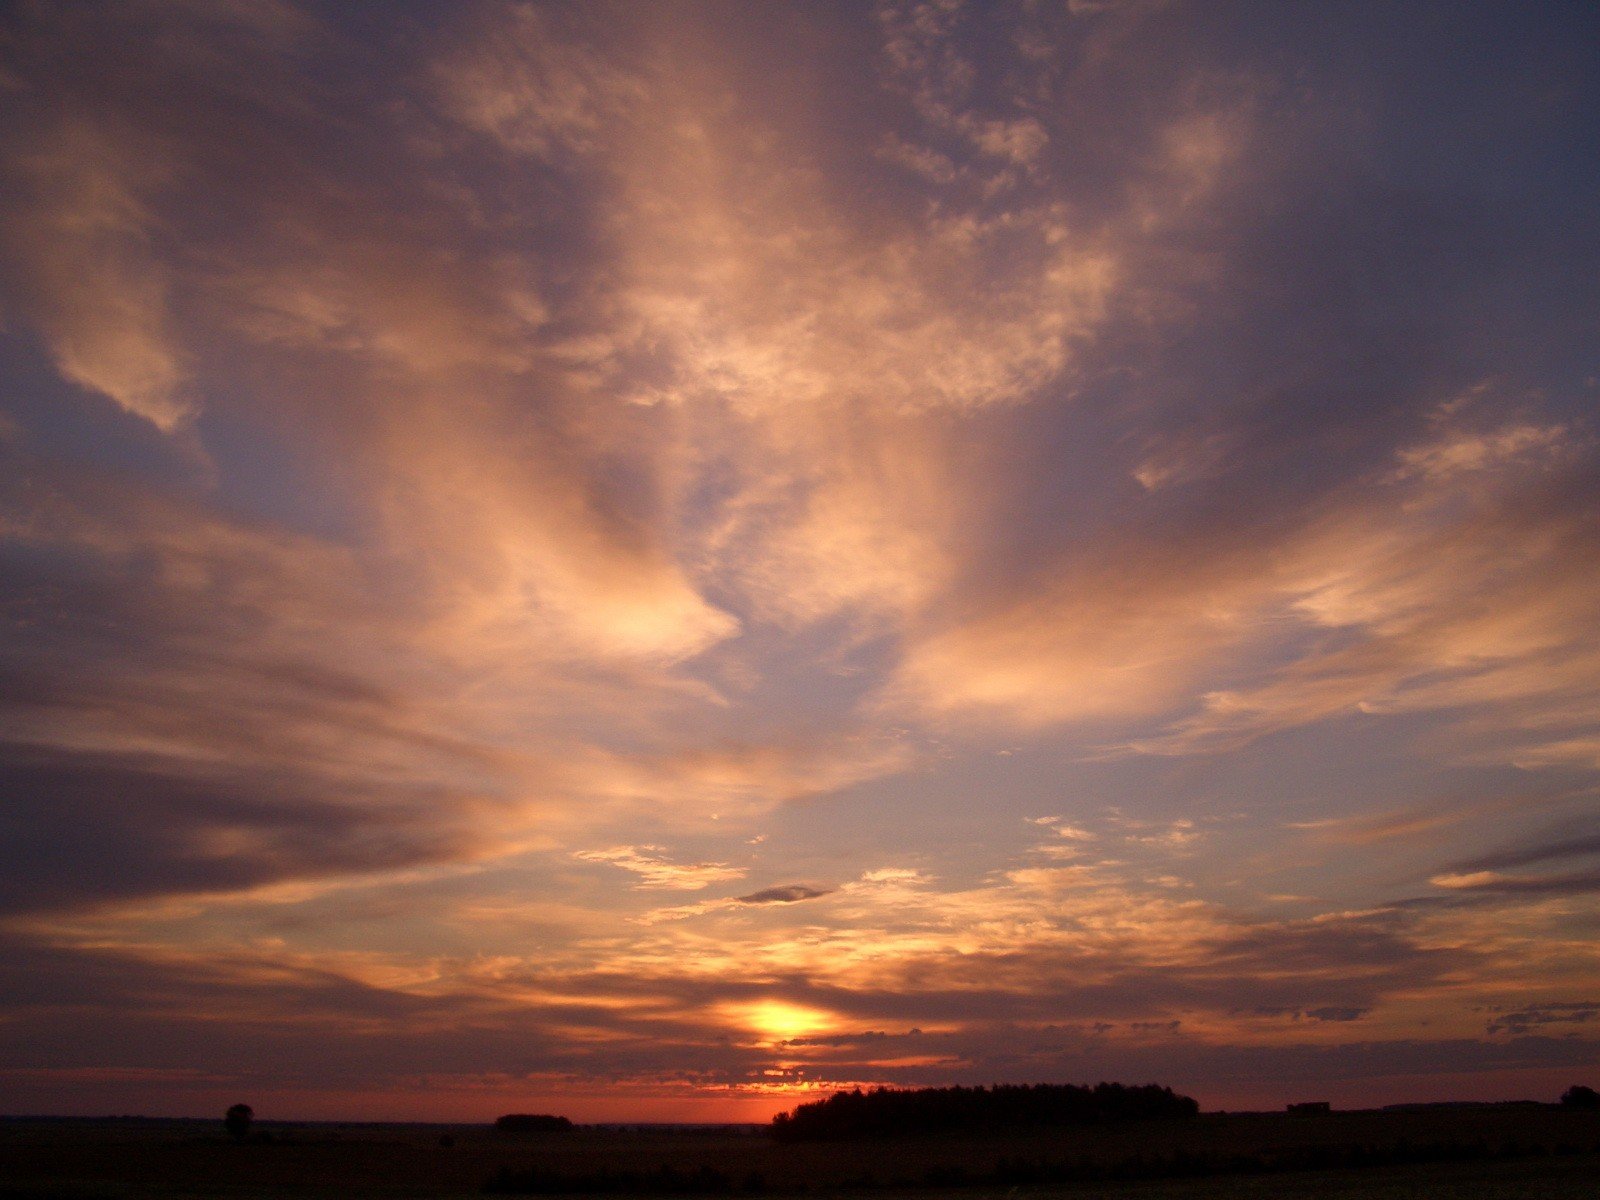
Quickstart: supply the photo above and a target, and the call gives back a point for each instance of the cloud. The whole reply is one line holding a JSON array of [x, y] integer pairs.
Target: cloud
[[1522, 856], [1471, 450], [90, 257], [1106, 640], [181, 830], [92, 1001], [177, 662], [534, 87], [655, 871], [783, 894], [1337, 1014], [789, 893], [1404, 824], [1574, 883], [1407, 582], [1486, 876], [80, 244], [1521, 1021]]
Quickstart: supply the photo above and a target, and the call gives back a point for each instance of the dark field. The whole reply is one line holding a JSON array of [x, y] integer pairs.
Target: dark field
[[1506, 1153]]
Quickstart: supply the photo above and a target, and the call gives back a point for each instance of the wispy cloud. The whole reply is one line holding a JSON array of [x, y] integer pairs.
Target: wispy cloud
[[655, 871]]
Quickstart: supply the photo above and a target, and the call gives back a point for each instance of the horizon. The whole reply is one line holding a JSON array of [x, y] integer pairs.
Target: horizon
[[259, 1119], [656, 561]]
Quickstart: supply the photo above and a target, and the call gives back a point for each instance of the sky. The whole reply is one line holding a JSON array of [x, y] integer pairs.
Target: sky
[[653, 561]]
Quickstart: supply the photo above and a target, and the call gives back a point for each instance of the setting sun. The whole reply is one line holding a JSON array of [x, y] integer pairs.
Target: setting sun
[[780, 1021]]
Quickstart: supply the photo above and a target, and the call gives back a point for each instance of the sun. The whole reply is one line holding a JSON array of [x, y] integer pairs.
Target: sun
[[780, 1021]]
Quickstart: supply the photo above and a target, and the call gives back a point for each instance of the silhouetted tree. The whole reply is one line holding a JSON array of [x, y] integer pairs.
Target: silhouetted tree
[[890, 1111], [237, 1121], [532, 1123], [1578, 1096]]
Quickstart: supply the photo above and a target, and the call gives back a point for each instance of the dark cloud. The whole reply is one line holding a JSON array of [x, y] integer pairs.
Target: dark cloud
[[1334, 1013], [168, 731], [1331, 1012], [1522, 1020], [80, 829], [783, 894], [867, 1037], [1379, 942], [1522, 856], [1465, 891]]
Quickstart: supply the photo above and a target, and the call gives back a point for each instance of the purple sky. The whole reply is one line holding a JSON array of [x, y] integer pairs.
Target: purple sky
[[650, 559]]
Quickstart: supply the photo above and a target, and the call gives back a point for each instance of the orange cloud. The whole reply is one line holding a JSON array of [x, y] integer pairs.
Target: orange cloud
[[81, 234]]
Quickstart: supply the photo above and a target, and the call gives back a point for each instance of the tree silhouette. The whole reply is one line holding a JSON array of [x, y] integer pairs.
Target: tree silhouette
[[532, 1123], [885, 1111], [237, 1121], [1578, 1096]]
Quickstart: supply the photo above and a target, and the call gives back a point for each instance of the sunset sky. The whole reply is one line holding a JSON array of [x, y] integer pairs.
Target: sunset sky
[[652, 560]]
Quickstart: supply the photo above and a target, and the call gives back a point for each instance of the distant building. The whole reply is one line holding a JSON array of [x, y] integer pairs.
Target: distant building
[[1310, 1108]]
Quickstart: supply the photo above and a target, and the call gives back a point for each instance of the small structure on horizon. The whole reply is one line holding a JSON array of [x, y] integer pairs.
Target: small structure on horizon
[[1310, 1108], [237, 1121]]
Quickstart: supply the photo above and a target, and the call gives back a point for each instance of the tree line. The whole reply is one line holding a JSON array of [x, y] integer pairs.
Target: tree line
[[886, 1111]]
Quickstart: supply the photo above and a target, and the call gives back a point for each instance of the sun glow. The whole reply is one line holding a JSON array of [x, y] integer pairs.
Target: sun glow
[[778, 1020]]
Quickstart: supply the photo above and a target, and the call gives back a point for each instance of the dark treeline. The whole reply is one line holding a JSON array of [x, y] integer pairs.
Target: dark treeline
[[888, 1111]]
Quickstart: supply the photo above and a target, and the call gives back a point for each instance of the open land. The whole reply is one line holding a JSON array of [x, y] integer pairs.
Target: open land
[[1478, 1153]]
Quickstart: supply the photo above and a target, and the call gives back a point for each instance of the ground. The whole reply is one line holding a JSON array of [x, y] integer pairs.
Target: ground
[[1527, 1154]]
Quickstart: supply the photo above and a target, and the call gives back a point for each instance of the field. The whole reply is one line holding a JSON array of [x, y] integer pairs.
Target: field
[[1502, 1153]]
